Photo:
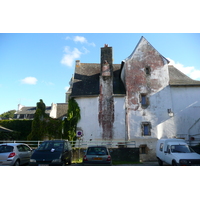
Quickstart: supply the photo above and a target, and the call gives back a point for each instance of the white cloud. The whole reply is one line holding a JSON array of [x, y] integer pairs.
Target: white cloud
[[70, 56], [80, 39], [189, 71], [29, 80]]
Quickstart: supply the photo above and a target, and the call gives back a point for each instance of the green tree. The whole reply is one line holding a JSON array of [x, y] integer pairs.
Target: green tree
[[70, 123], [39, 123], [8, 114], [41, 105]]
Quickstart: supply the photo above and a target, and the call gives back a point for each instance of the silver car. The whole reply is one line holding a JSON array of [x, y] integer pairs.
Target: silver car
[[14, 154], [97, 155]]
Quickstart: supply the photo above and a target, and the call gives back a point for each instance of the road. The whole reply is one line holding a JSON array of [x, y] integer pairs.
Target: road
[[154, 163]]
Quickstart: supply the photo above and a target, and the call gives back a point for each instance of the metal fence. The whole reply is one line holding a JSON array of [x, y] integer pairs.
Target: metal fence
[[80, 143]]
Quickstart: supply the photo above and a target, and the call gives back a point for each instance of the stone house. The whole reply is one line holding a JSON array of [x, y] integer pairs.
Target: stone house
[[142, 99], [56, 111]]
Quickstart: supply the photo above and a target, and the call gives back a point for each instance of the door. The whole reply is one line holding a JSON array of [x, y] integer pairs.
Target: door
[[24, 153], [168, 156]]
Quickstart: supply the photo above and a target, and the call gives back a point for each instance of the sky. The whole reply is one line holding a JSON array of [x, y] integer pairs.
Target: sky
[[36, 66]]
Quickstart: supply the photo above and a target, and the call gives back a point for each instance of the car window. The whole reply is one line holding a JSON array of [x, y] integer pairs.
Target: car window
[[20, 148], [6, 148], [97, 151], [161, 147], [180, 149], [65, 146], [26, 148], [46, 146]]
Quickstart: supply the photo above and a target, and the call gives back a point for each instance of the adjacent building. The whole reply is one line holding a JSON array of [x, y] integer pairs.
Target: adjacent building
[[56, 111]]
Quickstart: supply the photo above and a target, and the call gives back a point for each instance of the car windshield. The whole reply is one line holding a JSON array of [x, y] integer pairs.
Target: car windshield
[[51, 146], [97, 151], [5, 148], [180, 149]]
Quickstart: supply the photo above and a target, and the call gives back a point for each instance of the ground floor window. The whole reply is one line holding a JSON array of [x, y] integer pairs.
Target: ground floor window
[[143, 149]]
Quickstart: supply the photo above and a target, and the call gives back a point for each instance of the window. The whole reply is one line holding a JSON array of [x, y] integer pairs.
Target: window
[[144, 100], [148, 70], [20, 148], [26, 148], [143, 149], [161, 147], [146, 128]]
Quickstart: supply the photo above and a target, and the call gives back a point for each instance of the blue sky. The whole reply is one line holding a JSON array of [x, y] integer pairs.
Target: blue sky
[[37, 66]]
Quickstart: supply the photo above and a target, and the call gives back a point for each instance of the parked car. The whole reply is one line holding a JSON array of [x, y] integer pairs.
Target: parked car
[[52, 152], [176, 152], [14, 154], [97, 155]]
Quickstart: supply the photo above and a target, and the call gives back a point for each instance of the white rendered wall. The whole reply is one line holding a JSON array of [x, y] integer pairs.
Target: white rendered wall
[[119, 119], [89, 118], [186, 107]]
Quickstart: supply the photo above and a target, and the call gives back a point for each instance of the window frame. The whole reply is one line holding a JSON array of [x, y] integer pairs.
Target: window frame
[[143, 125], [144, 100], [148, 70]]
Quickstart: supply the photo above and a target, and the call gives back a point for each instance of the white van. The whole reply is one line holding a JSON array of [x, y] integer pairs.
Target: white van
[[176, 152]]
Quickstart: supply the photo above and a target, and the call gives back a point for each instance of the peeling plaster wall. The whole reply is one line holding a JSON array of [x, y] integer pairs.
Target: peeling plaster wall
[[154, 86]]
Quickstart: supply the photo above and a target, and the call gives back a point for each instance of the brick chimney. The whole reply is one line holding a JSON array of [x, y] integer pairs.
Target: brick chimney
[[106, 61]]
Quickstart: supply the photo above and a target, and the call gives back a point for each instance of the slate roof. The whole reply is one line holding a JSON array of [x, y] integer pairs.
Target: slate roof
[[86, 80], [177, 78], [61, 109], [31, 110]]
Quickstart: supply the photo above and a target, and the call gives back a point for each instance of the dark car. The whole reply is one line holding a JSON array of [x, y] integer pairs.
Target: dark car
[[52, 152], [97, 155]]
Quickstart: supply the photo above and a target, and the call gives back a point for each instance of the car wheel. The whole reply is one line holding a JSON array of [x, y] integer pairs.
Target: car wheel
[[174, 163], [70, 162], [16, 163], [160, 162]]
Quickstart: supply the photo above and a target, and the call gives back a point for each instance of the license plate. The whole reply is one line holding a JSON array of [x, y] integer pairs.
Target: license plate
[[97, 158], [43, 165]]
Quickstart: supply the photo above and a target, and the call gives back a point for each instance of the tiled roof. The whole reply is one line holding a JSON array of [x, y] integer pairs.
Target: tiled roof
[[86, 80], [177, 78]]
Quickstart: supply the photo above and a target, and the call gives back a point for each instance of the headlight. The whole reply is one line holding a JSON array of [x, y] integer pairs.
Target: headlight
[[183, 162], [56, 160], [32, 160]]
